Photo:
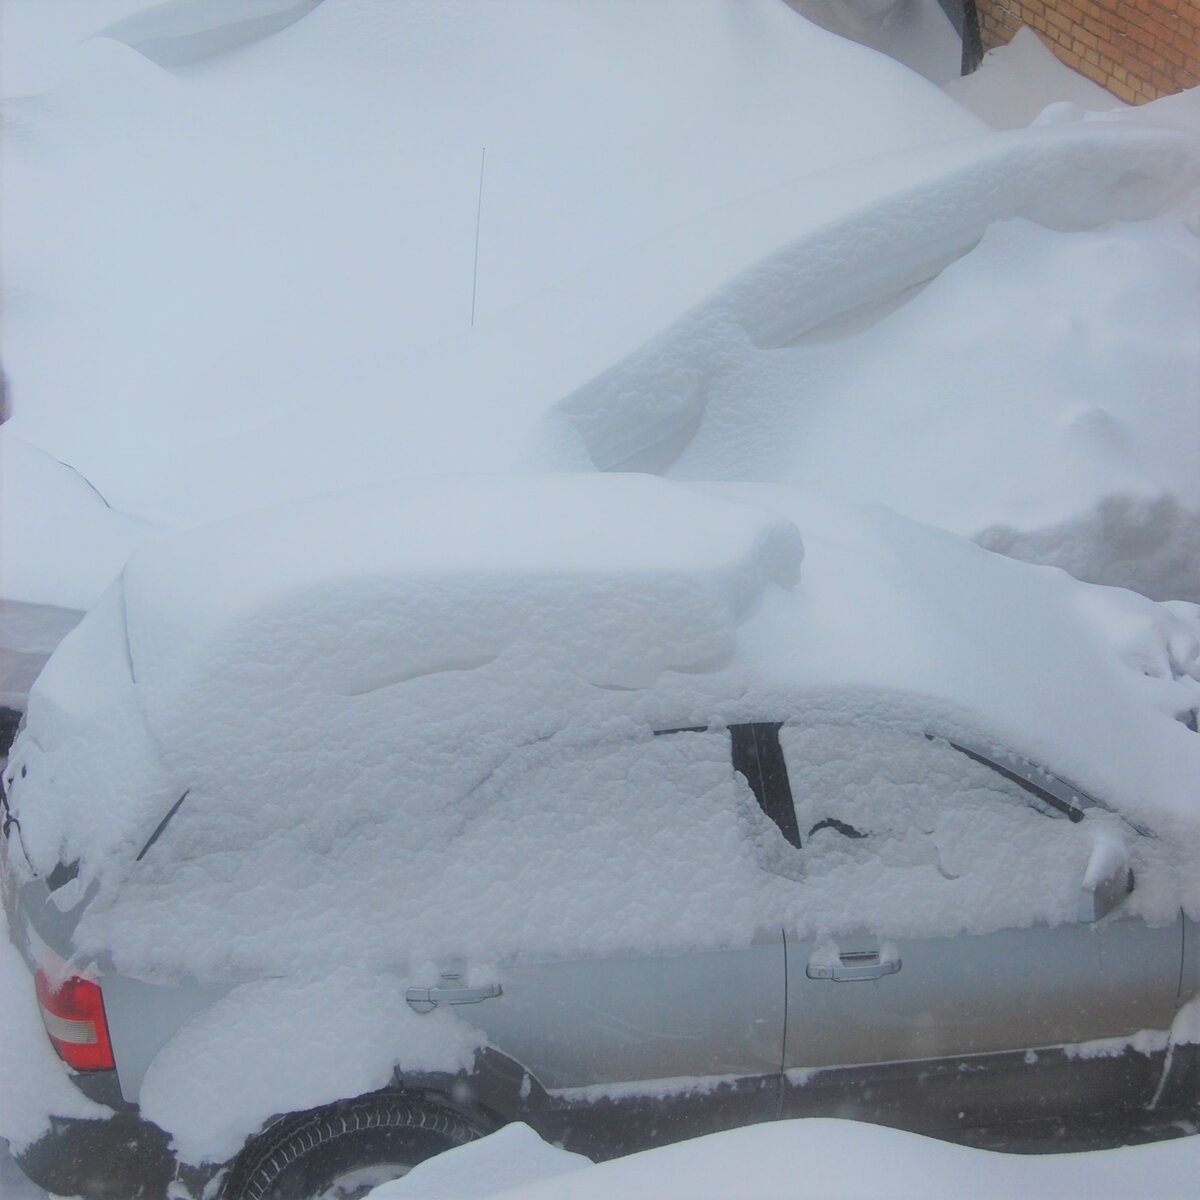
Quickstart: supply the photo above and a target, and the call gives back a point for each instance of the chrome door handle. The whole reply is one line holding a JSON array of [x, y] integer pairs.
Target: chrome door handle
[[426, 999], [857, 964]]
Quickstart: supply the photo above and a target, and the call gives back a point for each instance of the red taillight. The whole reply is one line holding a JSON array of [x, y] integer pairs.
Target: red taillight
[[73, 1013]]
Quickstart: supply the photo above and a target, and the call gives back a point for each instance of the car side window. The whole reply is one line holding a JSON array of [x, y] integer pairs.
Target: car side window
[[886, 813]]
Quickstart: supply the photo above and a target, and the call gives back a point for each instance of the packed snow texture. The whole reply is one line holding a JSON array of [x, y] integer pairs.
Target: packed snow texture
[[200, 1086], [1080, 449], [1016, 82], [800, 1160], [343, 692], [623, 179]]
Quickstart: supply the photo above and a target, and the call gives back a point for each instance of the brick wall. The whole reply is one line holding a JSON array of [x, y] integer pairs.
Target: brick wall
[[1137, 49]]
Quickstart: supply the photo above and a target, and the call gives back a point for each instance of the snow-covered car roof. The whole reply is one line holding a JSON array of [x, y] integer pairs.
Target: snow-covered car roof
[[289, 671]]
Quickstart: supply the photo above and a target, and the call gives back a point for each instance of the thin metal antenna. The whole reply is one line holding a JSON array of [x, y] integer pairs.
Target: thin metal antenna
[[478, 214]]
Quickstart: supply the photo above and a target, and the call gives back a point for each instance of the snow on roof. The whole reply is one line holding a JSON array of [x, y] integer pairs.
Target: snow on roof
[[281, 722], [356, 599], [296, 657]]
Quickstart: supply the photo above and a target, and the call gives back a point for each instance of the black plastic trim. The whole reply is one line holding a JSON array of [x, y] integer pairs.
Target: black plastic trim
[[758, 756]]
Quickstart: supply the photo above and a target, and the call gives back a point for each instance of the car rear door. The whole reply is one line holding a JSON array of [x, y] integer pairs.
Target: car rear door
[[643, 1003]]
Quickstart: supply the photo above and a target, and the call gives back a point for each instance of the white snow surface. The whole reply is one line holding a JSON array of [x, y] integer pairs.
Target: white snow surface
[[1075, 431], [614, 157], [513, 1156], [509, 244], [803, 1160], [62, 544], [348, 692], [180, 32]]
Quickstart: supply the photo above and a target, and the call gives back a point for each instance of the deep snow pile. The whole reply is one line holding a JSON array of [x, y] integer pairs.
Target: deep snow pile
[[502, 246], [1041, 393], [279, 247], [796, 1160]]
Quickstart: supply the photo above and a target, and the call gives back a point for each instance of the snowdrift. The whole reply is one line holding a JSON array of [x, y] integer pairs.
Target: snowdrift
[[273, 235], [1041, 393], [420, 258], [794, 1159]]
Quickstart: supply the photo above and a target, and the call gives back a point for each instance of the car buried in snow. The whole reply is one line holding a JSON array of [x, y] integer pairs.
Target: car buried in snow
[[341, 834]]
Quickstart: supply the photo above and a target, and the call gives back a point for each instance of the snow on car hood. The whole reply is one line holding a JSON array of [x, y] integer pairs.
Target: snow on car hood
[[321, 698]]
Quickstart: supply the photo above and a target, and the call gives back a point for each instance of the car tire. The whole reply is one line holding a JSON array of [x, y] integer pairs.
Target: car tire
[[340, 1151]]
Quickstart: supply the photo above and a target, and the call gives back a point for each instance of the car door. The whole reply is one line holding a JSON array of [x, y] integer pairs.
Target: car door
[[650, 1005], [950, 968]]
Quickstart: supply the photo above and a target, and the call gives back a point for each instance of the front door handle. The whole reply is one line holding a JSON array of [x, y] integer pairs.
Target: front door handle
[[854, 965], [426, 999]]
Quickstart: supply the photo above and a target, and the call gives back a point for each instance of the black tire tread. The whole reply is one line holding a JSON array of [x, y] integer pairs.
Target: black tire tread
[[264, 1160]]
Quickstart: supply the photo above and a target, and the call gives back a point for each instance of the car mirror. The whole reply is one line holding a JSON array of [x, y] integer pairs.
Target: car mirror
[[1107, 880]]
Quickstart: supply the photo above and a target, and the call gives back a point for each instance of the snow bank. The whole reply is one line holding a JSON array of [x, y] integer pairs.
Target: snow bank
[[1042, 393], [41, 41], [824, 1158], [376, 137], [1014, 84], [400, 343], [513, 1156]]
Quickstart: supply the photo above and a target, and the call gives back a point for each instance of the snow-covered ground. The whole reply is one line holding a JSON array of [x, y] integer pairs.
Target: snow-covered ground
[[797, 1160]]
